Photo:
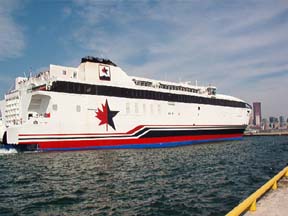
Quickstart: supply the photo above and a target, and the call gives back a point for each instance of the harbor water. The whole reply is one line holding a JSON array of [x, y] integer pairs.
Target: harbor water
[[205, 179]]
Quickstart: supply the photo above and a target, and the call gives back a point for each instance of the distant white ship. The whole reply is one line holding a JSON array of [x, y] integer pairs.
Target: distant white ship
[[98, 106]]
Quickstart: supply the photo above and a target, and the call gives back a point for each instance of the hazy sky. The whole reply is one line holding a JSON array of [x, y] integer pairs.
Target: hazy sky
[[240, 46]]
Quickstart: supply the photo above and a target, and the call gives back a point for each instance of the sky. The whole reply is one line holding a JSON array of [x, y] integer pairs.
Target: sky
[[239, 46]]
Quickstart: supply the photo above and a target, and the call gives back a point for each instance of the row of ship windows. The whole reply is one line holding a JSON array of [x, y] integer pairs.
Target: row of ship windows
[[12, 103], [12, 98], [130, 108], [80, 88], [13, 112], [11, 106], [136, 108], [133, 108], [11, 115], [55, 108]]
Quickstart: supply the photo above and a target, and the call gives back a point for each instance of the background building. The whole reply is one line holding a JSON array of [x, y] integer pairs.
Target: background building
[[265, 124], [257, 114], [282, 121], [274, 123]]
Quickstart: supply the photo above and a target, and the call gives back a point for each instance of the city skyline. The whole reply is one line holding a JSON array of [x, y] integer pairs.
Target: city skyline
[[258, 122], [238, 46], [258, 106]]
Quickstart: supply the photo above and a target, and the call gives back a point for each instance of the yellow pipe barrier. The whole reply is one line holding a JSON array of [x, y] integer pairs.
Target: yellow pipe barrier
[[250, 202]]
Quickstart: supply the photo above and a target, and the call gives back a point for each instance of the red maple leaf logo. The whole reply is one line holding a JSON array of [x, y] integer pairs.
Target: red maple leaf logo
[[102, 114], [106, 116]]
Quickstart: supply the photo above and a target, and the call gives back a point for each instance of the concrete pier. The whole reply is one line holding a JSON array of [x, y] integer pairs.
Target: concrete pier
[[274, 202], [283, 132]]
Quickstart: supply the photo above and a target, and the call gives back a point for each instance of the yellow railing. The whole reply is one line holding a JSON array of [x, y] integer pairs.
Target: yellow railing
[[250, 202]]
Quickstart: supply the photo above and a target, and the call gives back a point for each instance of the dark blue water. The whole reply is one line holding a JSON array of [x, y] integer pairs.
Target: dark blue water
[[206, 179]]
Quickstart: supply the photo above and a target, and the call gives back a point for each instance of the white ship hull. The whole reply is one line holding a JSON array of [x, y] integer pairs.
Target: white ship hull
[[59, 114]]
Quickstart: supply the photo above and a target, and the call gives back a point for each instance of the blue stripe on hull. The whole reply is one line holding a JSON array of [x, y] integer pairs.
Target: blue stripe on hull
[[143, 146]]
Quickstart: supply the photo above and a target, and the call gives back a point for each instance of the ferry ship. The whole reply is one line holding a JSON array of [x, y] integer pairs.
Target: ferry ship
[[98, 106]]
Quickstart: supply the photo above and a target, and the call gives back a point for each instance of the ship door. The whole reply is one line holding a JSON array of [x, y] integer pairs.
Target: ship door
[[38, 105]]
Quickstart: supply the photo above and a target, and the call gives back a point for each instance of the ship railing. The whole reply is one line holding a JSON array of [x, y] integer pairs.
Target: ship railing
[[161, 85], [249, 204]]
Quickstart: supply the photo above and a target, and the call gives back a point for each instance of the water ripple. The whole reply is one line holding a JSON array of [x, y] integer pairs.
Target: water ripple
[[196, 180]]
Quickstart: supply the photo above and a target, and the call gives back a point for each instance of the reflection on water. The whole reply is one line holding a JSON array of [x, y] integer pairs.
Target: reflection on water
[[207, 179], [4, 151]]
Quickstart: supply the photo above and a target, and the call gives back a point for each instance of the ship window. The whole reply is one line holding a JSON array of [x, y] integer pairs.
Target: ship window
[[136, 93], [79, 89], [127, 108], [74, 74], [136, 108], [151, 108], [96, 90], [78, 108], [88, 89], [55, 107], [64, 72]]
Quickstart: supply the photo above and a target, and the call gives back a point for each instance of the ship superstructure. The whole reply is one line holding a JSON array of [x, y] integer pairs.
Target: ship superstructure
[[97, 106]]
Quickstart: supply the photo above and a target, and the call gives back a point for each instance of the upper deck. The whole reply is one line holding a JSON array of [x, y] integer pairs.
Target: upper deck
[[97, 76]]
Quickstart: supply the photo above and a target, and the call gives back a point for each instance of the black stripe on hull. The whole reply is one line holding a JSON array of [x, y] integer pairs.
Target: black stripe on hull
[[113, 91], [175, 133]]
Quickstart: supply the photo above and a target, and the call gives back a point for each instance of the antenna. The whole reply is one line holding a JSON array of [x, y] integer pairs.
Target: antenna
[[30, 75]]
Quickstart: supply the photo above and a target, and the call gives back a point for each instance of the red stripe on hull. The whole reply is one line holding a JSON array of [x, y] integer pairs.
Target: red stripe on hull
[[61, 144]]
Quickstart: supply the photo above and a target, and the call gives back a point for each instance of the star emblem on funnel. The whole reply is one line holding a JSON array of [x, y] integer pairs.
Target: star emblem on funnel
[[104, 70], [106, 115]]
